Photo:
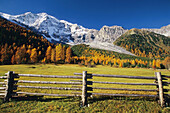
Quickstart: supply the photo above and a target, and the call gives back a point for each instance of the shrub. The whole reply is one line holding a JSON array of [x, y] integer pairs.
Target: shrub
[[167, 63], [162, 66], [127, 64], [133, 66]]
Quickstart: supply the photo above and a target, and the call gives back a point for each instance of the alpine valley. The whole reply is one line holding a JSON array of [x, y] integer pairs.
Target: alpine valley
[[61, 31]]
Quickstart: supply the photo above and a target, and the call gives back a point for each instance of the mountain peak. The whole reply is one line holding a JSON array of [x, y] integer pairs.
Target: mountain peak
[[43, 14], [4, 15], [165, 30], [55, 30], [27, 13], [116, 26], [135, 31]]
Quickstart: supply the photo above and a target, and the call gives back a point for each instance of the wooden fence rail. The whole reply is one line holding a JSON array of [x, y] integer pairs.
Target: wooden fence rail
[[158, 82], [134, 95], [125, 89], [2, 88], [119, 76], [47, 82], [46, 94], [49, 76], [57, 88], [153, 84], [11, 84], [3, 77]]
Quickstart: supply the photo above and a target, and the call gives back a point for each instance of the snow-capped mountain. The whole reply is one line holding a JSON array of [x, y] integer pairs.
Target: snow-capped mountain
[[56, 30], [165, 30], [52, 28], [61, 30]]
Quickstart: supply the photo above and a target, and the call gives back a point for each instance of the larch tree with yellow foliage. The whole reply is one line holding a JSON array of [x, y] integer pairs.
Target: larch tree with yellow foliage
[[23, 54], [13, 59], [158, 63], [33, 56], [48, 53], [18, 56], [68, 55], [115, 61], [133, 62], [58, 52], [53, 55], [86, 63], [154, 63], [63, 53], [121, 64]]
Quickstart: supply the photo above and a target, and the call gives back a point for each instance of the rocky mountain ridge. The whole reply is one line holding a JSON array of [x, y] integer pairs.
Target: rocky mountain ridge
[[55, 30], [61, 30], [165, 30]]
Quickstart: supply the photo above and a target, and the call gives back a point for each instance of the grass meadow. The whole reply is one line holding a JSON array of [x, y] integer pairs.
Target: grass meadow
[[106, 104]]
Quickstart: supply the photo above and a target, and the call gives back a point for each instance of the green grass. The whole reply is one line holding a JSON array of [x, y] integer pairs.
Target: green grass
[[96, 103]]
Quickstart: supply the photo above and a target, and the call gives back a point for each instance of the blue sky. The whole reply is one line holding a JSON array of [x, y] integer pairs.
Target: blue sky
[[96, 13]]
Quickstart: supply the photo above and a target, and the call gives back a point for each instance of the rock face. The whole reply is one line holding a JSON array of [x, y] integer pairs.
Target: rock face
[[62, 31], [165, 30], [89, 36], [55, 30], [109, 34]]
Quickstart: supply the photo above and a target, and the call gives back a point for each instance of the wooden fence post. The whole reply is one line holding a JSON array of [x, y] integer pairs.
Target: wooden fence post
[[9, 86], [160, 87], [84, 89]]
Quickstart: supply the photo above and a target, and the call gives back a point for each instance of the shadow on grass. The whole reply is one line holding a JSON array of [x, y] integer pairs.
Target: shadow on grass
[[42, 99], [103, 98], [151, 99], [90, 99]]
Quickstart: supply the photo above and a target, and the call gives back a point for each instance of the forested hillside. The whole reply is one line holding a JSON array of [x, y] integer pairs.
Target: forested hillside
[[21, 46], [144, 43], [85, 50]]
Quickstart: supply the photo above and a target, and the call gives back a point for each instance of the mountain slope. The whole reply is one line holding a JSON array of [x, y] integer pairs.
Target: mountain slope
[[165, 30], [18, 45], [13, 38], [85, 50], [61, 31], [55, 30], [144, 43]]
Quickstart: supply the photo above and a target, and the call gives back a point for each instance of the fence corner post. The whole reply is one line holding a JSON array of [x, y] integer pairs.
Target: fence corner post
[[84, 89], [160, 87], [9, 86]]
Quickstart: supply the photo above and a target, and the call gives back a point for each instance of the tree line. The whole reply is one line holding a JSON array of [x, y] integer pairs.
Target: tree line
[[21, 46], [146, 44]]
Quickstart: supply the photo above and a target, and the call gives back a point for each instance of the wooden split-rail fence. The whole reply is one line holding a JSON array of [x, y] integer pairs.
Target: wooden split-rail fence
[[10, 85]]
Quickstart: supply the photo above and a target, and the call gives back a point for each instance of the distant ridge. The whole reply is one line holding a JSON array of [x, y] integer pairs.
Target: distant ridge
[[144, 43], [55, 30]]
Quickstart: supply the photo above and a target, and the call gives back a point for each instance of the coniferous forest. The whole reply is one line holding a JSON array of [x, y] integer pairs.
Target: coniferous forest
[[21, 46]]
